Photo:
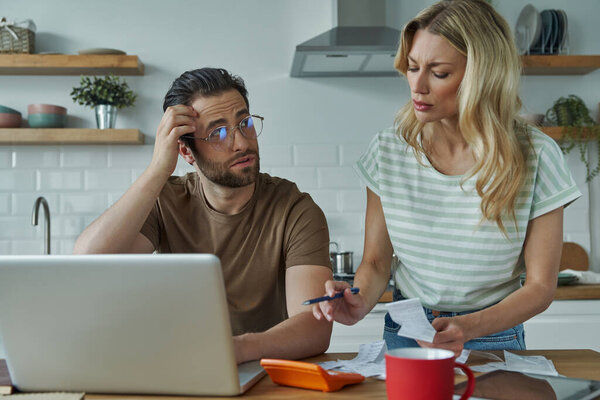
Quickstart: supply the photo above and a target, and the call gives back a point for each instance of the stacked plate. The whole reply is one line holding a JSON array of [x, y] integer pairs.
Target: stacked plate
[[46, 116], [541, 33], [9, 118]]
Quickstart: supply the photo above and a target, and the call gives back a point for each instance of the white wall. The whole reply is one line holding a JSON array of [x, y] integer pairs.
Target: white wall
[[314, 128]]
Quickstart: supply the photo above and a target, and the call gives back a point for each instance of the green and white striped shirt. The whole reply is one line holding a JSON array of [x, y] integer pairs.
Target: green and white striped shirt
[[448, 259]]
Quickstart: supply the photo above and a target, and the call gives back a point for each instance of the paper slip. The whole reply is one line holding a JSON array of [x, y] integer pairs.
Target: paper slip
[[532, 364], [409, 314], [513, 362], [464, 355], [373, 352], [413, 322], [369, 362]]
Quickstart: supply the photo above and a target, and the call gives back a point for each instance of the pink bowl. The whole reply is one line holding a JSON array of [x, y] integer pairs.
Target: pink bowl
[[46, 109], [10, 120]]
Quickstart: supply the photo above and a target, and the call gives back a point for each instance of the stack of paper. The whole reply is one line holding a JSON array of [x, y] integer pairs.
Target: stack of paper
[[370, 361]]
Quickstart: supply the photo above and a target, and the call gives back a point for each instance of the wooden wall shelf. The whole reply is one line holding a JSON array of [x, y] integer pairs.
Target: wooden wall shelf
[[102, 64], [68, 64], [560, 64], [556, 132], [42, 136]]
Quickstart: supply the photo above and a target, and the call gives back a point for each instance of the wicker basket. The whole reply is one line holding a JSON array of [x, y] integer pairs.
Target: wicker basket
[[23, 43]]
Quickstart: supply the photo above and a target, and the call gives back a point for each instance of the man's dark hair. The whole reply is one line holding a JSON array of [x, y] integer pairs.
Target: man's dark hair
[[202, 82]]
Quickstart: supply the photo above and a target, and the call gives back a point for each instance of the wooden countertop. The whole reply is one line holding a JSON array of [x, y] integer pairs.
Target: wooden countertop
[[572, 363], [567, 292]]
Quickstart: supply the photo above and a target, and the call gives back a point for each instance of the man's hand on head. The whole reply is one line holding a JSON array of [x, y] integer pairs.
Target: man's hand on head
[[177, 121]]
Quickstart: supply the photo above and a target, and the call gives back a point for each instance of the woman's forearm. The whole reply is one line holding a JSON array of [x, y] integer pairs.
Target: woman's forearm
[[514, 309]]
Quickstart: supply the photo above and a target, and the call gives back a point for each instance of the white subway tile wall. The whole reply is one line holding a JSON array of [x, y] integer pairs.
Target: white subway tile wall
[[85, 157], [31, 157], [5, 159], [305, 177], [107, 180], [276, 156], [22, 203], [306, 155], [59, 180], [26, 247], [80, 182], [4, 203]]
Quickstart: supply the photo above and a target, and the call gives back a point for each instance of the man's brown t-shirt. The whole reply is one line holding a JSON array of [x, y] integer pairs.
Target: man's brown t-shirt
[[280, 227]]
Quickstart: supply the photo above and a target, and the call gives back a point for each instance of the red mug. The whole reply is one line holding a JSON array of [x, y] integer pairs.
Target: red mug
[[419, 373]]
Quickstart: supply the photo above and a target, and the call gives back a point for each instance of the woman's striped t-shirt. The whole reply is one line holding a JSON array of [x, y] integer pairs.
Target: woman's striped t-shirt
[[449, 259]]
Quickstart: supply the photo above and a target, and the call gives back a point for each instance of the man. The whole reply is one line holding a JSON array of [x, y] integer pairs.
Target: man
[[272, 239]]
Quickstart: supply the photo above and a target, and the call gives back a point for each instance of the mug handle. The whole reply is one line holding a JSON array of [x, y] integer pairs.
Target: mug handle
[[471, 380]]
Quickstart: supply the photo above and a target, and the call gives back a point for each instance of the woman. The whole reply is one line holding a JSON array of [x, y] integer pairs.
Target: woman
[[462, 191]]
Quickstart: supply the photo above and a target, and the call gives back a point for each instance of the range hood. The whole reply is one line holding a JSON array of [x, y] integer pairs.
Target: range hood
[[360, 44]]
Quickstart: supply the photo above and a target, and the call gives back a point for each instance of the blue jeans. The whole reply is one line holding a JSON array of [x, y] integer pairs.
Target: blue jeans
[[510, 339]]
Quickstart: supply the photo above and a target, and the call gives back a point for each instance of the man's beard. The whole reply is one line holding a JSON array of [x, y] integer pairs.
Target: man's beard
[[220, 174]]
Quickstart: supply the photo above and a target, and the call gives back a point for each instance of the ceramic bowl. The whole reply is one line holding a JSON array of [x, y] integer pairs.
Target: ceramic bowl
[[46, 109], [10, 120], [8, 110], [47, 120]]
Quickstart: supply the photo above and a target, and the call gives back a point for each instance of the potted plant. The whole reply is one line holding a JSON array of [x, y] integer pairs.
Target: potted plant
[[105, 95], [579, 129]]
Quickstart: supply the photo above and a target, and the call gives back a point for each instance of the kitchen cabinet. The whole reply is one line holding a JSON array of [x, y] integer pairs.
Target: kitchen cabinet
[[566, 324], [348, 338], [70, 64], [42, 136]]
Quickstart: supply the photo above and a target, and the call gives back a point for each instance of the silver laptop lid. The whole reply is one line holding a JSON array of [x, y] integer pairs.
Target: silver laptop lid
[[117, 324]]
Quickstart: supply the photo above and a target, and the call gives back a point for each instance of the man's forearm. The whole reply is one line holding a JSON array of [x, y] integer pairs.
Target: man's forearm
[[297, 337], [116, 229]]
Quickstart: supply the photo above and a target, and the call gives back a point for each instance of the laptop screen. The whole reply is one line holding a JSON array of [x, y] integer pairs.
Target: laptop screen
[[154, 324]]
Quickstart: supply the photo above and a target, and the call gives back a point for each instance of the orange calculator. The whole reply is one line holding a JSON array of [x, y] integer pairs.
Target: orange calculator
[[307, 375]]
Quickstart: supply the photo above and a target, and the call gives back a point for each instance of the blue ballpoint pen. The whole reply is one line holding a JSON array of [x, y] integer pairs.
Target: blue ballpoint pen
[[354, 290]]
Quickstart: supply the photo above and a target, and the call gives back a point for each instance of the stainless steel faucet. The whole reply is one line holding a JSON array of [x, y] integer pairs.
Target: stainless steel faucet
[[34, 220]]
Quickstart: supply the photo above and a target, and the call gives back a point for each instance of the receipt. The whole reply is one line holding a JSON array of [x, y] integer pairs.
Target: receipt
[[371, 352], [532, 364], [413, 322], [369, 362], [527, 364]]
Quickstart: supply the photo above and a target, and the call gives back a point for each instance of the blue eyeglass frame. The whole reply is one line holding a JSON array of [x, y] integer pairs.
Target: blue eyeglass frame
[[223, 137]]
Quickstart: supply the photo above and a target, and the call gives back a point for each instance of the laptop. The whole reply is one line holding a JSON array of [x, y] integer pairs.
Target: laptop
[[145, 324]]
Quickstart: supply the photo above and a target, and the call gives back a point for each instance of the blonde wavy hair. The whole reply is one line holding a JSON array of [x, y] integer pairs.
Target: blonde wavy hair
[[488, 99]]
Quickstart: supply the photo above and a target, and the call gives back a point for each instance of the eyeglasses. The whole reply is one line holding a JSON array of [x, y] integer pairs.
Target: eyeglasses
[[250, 128]]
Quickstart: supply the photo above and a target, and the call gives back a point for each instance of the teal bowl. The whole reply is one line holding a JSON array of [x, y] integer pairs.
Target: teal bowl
[[8, 110], [47, 120]]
